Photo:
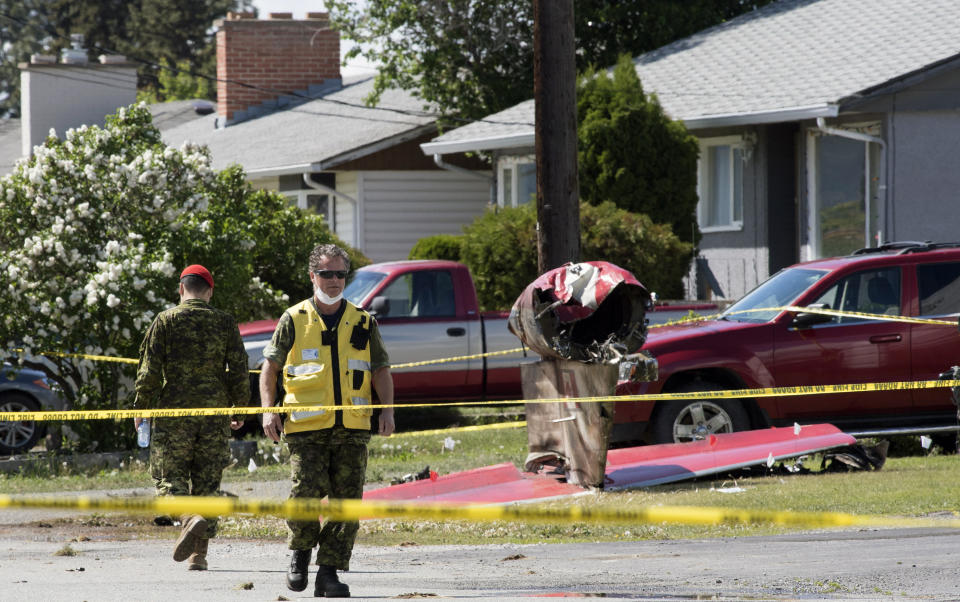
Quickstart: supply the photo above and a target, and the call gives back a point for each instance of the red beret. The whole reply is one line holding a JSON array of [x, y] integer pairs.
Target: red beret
[[197, 270]]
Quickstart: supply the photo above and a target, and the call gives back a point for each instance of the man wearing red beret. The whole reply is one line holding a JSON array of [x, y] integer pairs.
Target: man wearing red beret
[[192, 357]]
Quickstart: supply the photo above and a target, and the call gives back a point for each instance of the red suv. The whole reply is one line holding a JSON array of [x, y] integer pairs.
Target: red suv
[[770, 348]]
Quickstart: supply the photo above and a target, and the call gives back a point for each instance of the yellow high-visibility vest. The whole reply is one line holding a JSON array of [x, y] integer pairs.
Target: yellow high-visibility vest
[[308, 371]]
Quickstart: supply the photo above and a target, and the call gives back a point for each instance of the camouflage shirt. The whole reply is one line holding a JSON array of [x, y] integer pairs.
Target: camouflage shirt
[[192, 357]]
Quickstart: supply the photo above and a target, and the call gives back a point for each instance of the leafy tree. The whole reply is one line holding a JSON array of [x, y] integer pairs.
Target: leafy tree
[[23, 31], [93, 231], [172, 32], [631, 153], [500, 248], [606, 29], [176, 83], [472, 58]]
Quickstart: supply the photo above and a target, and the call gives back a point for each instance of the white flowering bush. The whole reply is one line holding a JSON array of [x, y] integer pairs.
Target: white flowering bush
[[94, 230]]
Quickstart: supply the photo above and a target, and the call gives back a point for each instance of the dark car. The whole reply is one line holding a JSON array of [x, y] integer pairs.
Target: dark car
[[24, 390], [745, 349]]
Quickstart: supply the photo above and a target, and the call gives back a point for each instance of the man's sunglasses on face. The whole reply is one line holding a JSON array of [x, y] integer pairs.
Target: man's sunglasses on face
[[330, 274]]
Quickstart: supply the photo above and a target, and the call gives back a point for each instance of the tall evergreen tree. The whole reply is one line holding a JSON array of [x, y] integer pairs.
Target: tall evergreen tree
[[631, 153]]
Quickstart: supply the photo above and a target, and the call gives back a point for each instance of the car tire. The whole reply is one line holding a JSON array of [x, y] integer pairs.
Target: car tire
[[685, 420], [18, 437]]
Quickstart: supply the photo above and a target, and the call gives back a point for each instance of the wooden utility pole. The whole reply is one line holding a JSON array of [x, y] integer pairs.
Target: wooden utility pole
[[555, 95]]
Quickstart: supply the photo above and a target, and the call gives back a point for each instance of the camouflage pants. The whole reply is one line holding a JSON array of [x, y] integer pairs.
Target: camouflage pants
[[329, 462], [188, 455]]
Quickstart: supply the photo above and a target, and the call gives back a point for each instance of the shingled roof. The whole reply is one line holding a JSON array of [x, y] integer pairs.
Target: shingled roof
[[312, 136], [790, 60]]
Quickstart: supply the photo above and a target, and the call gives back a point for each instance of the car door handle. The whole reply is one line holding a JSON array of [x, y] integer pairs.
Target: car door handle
[[456, 331], [886, 338]]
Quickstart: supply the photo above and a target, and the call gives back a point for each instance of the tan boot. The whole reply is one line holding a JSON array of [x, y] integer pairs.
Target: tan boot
[[194, 527], [198, 560]]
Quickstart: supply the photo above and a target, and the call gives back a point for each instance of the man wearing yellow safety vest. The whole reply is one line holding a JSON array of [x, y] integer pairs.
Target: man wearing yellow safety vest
[[331, 354]]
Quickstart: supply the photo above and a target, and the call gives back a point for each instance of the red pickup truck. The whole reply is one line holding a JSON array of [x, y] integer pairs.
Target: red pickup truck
[[745, 348]]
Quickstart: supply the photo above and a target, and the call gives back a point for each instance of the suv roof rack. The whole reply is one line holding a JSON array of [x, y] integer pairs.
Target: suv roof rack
[[907, 246]]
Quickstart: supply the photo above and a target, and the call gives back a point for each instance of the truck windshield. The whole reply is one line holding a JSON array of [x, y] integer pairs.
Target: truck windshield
[[779, 290], [361, 284]]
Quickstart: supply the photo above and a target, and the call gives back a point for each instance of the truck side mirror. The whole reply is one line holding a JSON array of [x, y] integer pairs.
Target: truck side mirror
[[380, 307]]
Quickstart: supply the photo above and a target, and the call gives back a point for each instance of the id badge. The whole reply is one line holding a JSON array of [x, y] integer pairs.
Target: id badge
[[309, 354]]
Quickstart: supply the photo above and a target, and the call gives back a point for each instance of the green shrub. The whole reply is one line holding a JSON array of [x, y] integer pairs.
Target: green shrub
[[440, 246], [501, 250]]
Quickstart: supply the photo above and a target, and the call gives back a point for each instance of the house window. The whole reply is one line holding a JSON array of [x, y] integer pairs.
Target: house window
[[843, 211], [311, 200], [720, 184], [517, 181]]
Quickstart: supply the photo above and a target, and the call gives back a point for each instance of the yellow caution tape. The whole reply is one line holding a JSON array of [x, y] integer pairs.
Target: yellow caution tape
[[459, 358], [725, 394], [812, 310], [465, 429], [85, 356], [353, 510]]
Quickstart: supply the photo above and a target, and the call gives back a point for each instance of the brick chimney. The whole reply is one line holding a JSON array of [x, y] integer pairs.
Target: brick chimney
[[277, 56]]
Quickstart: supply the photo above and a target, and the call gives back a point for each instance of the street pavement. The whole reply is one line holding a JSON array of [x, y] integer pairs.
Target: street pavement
[[894, 564]]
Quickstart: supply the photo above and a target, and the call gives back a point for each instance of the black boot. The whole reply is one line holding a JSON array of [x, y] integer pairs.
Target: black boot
[[328, 585], [298, 574]]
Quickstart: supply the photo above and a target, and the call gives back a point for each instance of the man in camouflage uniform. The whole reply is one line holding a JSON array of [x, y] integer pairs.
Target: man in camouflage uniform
[[331, 354], [192, 357]]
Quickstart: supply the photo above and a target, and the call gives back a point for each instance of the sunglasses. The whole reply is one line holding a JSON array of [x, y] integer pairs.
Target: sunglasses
[[330, 274]]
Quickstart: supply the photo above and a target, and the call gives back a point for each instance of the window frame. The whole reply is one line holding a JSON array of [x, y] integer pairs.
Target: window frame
[[704, 182], [512, 164], [299, 198]]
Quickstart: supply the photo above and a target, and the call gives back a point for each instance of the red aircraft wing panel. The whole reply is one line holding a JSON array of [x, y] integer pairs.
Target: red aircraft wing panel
[[627, 468]]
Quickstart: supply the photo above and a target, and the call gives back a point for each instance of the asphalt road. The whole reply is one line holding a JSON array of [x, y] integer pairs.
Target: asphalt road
[[892, 564]]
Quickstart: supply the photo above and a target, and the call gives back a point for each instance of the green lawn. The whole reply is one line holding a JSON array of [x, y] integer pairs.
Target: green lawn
[[916, 486]]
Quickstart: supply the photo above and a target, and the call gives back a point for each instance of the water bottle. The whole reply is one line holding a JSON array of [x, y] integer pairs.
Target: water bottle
[[143, 434]]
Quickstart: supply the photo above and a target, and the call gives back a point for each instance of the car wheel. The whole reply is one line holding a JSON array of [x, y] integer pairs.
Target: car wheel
[[18, 437], [686, 420]]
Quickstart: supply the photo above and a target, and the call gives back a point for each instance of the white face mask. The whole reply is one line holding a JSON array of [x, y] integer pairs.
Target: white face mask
[[325, 298]]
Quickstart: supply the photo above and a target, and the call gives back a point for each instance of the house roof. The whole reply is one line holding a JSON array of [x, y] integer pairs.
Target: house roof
[[313, 136], [790, 60]]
